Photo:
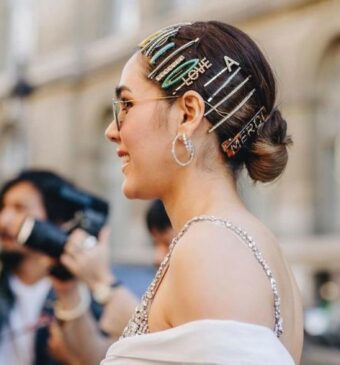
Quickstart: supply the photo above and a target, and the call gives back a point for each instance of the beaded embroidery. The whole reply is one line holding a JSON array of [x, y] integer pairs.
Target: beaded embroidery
[[138, 324]]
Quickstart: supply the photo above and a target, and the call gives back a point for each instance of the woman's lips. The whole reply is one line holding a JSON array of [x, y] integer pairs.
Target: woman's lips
[[124, 156]]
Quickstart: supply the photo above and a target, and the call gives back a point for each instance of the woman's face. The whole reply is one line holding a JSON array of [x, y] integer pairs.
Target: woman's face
[[147, 128]]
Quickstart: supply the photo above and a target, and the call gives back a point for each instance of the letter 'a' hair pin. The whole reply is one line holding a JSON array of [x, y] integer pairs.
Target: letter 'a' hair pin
[[229, 63], [224, 84]]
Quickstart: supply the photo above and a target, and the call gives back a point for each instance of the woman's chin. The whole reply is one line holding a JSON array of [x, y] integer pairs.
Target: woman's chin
[[129, 190], [132, 191]]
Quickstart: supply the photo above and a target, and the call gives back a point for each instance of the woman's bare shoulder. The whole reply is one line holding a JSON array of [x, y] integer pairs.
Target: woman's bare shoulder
[[212, 267]]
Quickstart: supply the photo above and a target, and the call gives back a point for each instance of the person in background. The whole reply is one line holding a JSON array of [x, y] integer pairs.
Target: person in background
[[27, 296], [160, 229], [31, 329], [88, 265], [85, 338]]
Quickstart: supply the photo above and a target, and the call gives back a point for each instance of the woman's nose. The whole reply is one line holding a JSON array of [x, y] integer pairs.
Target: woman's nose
[[112, 133]]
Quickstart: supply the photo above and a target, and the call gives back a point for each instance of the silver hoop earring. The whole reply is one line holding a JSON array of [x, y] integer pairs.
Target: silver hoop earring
[[188, 146]]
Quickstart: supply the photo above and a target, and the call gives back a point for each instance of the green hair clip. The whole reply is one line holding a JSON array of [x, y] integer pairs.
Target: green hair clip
[[176, 75]]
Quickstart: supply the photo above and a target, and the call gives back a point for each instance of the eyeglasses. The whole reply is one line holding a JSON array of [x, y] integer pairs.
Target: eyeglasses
[[120, 106]]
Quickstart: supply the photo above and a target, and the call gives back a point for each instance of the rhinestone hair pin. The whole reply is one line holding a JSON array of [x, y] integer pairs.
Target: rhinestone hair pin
[[159, 38], [160, 41], [171, 56], [193, 73], [169, 68], [224, 84], [158, 44], [179, 70], [175, 68], [233, 145], [230, 114], [231, 93], [229, 63], [154, 36]]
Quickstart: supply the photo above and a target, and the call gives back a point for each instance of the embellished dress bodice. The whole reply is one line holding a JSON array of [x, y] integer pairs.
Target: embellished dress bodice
[[138, 324]]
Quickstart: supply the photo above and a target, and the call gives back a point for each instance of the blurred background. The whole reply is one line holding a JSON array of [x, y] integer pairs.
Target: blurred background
[[59, 64]]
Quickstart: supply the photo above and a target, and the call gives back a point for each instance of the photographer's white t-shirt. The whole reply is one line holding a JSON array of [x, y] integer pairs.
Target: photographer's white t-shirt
[[17, 340]]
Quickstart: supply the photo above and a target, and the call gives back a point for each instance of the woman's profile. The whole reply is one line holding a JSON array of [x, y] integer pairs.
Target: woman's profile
[[196, 105]]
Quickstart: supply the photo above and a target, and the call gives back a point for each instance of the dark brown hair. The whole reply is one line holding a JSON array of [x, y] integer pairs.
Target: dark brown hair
[[265, 155]]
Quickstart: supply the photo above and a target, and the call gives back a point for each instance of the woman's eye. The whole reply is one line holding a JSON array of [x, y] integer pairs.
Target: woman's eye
[[126, 104]]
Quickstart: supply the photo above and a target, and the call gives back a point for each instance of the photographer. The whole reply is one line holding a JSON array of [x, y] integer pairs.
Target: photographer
[[29, 333], [87, 263]]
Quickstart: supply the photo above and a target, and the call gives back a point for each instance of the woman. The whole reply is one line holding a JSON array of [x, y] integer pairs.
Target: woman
[[195, 104]]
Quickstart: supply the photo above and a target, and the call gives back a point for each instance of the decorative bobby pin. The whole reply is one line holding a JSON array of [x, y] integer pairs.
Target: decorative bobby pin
[[231, 93], [229, 63], [194, 73], [160, 41], [230, 114], [168, 69], [155, 37], [171, 56], [233, 145], [179, 72], [161, 52]]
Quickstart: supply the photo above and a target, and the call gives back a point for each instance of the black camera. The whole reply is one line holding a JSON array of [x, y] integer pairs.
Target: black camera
[[89, 213]]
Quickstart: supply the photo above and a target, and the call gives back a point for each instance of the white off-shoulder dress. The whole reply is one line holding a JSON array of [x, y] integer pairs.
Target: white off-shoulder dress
[[206, 341]]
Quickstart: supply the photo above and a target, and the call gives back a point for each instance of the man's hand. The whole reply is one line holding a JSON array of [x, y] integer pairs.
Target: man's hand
[[88, 264]]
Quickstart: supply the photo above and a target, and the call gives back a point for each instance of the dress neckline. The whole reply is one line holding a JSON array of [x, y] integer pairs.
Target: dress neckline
[[208, 330]]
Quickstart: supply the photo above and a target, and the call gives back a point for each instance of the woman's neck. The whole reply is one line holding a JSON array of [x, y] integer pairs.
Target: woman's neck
[[202, 193]]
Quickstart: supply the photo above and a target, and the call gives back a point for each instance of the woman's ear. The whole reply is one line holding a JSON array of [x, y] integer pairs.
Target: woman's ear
[[192, 108]]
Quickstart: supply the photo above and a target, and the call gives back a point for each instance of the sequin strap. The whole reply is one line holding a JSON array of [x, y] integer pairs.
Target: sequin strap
[[138, 324], [248, 240]]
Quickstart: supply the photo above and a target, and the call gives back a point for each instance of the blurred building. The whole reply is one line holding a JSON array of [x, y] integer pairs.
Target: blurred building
[[71, 53]]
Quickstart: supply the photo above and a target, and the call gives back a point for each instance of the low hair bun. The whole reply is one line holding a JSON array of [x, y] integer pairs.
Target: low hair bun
[[267, 156]]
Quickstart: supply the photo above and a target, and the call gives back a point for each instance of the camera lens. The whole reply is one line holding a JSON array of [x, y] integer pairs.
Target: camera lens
[[42, 236]]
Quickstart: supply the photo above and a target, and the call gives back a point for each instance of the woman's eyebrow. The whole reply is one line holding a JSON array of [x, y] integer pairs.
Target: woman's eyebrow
[[120, 89]]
